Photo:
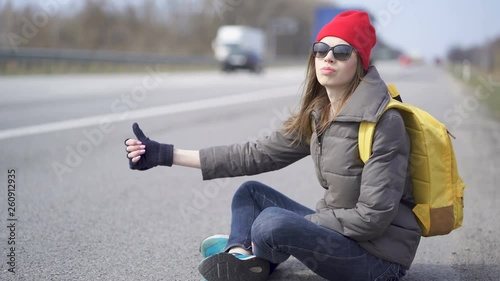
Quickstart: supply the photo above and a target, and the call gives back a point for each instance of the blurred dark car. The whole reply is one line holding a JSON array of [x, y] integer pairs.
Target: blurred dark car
[[242, 60]]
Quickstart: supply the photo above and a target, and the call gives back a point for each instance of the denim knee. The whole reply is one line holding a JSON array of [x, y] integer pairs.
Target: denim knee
[[270, 223], [246, 188]]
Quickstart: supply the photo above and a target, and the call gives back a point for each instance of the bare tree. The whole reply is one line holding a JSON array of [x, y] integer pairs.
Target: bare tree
[[168, 26]]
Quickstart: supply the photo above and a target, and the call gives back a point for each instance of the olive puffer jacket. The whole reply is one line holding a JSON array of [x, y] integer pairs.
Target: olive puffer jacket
[[361, 201]]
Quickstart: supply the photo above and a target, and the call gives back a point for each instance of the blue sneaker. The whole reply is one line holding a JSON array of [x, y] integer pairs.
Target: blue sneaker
[[234, 267], [213, 245]]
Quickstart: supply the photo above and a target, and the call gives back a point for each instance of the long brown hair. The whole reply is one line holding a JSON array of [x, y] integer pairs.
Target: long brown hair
[[315, 97]]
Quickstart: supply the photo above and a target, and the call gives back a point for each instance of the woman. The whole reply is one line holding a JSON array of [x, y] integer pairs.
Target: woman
[[360, 230]]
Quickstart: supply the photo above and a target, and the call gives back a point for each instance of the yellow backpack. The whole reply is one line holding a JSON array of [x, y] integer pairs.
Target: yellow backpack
[[437, 187]]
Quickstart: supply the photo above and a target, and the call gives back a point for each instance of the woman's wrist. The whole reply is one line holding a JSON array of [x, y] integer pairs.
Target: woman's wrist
[[187, 158]]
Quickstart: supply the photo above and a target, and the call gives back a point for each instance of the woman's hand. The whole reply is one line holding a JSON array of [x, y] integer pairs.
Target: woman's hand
[[135, 149], [144, 153]]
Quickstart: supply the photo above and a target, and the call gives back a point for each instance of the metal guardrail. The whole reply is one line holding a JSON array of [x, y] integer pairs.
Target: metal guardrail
[[102, 56], [39, 60]]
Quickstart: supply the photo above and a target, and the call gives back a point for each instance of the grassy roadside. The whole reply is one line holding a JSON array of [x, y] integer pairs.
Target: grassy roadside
[[95, 68], [486, 86]]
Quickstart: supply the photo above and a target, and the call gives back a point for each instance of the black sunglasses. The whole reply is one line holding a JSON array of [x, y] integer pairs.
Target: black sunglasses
[[341, 52]]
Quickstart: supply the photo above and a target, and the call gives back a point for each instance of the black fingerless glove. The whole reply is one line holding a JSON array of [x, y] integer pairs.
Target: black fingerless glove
[[156, 153]]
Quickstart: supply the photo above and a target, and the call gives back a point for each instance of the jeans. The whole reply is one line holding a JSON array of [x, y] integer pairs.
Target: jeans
[[277, 227]]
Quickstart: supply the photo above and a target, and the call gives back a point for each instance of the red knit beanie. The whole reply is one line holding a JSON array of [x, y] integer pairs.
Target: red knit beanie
[[355, 28]]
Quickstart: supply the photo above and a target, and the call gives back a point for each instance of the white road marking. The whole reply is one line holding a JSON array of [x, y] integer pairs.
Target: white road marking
[[169, 109]]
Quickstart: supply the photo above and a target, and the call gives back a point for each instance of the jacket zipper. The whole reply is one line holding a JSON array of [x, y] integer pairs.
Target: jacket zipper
[[320, 144]]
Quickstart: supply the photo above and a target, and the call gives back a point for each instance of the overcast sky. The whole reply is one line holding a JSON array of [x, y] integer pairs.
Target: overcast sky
[[432, 27]]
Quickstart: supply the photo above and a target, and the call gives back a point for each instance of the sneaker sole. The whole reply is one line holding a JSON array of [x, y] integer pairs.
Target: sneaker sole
[[226, 267]]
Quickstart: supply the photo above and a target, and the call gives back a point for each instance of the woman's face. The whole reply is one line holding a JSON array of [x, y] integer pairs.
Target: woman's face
[[332, 73]]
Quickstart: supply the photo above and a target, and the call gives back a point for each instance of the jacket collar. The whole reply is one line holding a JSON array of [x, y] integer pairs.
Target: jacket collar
[[367, 102]]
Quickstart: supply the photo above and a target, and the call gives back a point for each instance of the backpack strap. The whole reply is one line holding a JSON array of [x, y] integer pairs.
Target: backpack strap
[[365, 140], [393, 91], [367, 129]]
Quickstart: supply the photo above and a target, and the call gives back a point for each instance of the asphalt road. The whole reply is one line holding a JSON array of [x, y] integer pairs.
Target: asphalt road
[[81, 214]]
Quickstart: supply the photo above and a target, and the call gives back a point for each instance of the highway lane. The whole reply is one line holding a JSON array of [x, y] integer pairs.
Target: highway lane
[[83, 215], [57, 98]]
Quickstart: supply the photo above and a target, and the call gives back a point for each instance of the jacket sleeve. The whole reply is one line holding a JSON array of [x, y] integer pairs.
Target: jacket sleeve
[[266, 154], [382, 182]]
